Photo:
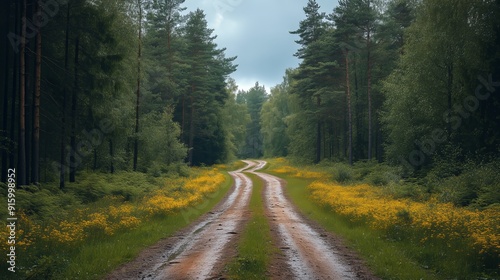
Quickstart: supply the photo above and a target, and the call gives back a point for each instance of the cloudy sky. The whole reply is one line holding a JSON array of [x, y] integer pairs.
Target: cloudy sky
[[257, 31]]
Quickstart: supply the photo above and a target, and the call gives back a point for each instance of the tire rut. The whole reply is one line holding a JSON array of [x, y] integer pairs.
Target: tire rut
[[197, 252], [309, 255]]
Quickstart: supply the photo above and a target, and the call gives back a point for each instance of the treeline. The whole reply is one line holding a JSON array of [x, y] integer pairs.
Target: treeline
[[111, 85], [413, 83]]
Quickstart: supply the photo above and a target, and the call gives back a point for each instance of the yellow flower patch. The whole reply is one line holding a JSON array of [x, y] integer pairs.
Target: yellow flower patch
[[431, 219]]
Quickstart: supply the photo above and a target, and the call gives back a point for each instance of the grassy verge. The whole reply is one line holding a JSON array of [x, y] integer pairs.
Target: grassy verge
[[385, 258], [254, 248], [105, 220], [98, 257], [445, 240]]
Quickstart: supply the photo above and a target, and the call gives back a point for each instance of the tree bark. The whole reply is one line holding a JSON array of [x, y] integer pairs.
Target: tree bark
[[21, 171], [111, 155], [5, 105], [35, 170], [137, 104], [369, 73], [349, 112], [318, 133], [15, 88], [62, 182], [191, 131], [74, 99]]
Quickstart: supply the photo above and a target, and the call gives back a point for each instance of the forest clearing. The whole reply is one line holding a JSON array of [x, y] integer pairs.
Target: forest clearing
[[224, 139]]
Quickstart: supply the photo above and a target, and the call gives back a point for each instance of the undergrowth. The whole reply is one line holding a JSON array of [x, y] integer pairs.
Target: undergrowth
[[87, 229], [417, 218]]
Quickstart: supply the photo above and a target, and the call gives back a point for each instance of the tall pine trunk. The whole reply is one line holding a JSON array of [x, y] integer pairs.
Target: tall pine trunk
[[35, 169], [137, 104], [369, 73], [111, 156], [74, 98], [318, 133], [21, 171], [191, 130], [15, 88], [5, 104], [62, 182], [349, 111]]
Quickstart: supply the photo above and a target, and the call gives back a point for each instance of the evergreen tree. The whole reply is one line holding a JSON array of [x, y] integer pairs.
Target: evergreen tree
[[254, 99]]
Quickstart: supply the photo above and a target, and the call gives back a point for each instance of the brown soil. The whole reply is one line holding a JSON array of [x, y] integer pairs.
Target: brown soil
[[303, 244], [202, 250]]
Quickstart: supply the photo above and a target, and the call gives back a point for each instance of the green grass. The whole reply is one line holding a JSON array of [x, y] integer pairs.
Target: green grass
[[255, 245], [98, 256], [125, 247], [388, 260]]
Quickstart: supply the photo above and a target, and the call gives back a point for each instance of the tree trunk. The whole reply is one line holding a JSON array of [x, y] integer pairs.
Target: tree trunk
[[30, 89], [15, 85], [21, 171], [62, 182], [111, 155], [449, 68], [35, 170], [137, 105], [369, 73], [5, 105], [183, 118], [359, 144], [191, 131], [74, 99], [349, 114], [318, 133]]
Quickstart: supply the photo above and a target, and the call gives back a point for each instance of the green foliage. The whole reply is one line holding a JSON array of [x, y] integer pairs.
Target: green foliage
[[343, 175], [435, 76], [273, 119], [236, 119], [100, 253], [477, 185], [160, 143], [254, 99]]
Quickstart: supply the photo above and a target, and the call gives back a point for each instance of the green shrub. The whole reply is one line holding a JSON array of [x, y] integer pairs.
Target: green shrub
[[343, 174]]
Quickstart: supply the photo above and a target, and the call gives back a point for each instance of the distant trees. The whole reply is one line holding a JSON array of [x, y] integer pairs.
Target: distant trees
[[273, 119], [254, 99]]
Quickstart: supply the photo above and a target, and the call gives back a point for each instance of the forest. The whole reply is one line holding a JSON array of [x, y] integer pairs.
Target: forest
[[142, 86], [407, 84], [112, 98]]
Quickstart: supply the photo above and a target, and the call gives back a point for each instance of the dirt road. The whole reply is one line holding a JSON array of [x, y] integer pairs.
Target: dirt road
[[309, 254], [202, 250]]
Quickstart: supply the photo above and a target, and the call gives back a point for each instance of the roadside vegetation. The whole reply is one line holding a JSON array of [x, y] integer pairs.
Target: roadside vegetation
[[106, 219], [400, 226]]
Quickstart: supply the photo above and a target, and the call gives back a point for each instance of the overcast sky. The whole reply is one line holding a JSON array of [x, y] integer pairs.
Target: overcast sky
[[257, 31]]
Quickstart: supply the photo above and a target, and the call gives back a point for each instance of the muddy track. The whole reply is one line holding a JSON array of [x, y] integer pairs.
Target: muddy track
[[309, 254], [200, 251]]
